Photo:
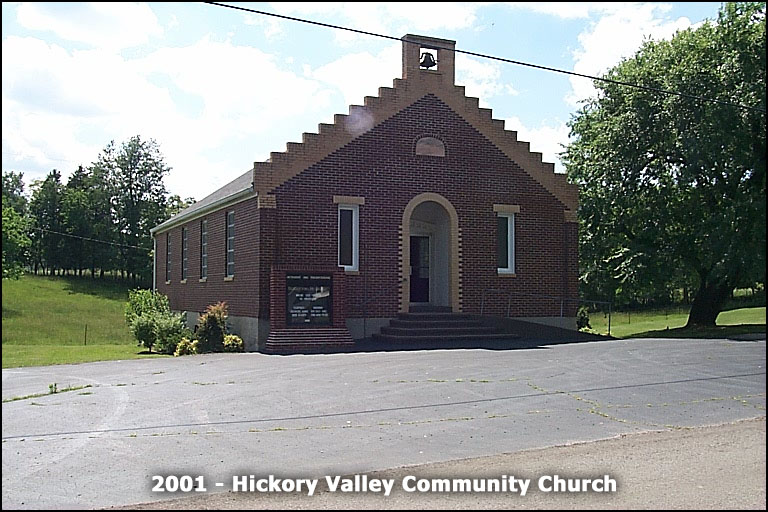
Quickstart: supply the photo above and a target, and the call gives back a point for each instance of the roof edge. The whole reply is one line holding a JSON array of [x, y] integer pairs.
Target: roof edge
[[181, 218]]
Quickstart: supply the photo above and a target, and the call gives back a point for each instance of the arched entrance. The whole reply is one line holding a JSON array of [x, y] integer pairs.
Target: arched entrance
[[430, 253]]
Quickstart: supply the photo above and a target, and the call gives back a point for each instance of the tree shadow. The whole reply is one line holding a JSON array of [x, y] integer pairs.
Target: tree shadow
[[104, 288], [10, 313], [717, 332]]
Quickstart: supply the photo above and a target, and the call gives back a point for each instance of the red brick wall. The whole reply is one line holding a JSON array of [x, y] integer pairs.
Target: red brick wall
[[381, 166], [241, 293]]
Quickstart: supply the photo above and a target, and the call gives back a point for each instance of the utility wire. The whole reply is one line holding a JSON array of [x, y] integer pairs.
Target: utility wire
[[485, 56], [93, 239]]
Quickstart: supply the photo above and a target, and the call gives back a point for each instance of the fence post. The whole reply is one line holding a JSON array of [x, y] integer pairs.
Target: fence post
[[609, 318]]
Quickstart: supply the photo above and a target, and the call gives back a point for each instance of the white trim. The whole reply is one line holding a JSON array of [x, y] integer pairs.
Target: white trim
[[355, 236], [510, 268], [181, 218], [154, 263]]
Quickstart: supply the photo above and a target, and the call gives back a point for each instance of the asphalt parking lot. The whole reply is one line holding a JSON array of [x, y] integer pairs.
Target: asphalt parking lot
[[314, 415]]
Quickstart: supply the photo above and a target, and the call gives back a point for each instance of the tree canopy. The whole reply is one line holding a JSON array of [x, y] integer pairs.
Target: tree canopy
[[98, 220], [672, 189]]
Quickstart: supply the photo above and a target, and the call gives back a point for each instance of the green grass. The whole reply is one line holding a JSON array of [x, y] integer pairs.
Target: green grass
[[44, 320], [671, 322]]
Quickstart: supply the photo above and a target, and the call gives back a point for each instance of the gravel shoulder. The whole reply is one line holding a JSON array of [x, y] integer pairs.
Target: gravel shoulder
[[712, 467]]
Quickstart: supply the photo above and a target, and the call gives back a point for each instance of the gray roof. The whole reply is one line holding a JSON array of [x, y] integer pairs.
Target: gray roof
[[242, 183]]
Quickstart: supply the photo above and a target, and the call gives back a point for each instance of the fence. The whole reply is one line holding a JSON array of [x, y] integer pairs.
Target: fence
[[563, 301]]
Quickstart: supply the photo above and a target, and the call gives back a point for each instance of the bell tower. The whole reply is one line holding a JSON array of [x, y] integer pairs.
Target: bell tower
[[429, 55]]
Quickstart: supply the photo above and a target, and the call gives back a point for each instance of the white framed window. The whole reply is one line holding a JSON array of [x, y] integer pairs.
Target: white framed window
[[349, 226], [203, 249], [505, 247], [230, 244], [184, 257]]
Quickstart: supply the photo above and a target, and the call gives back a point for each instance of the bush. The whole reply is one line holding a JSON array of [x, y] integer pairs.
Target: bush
[[186, 347], [143, 329], [141, 302], [211, 328], [233, 343], [169, 330], [582, 318]]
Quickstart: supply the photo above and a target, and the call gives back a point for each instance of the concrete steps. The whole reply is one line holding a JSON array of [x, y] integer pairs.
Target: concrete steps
[[435, 327], [308, 340]]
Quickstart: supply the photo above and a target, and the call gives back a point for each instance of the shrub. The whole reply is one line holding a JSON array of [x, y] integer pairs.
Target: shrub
[[141, 302], [186, 347], [169, 330], [143, 329], [233, 343], [211, 328], [582, 318]]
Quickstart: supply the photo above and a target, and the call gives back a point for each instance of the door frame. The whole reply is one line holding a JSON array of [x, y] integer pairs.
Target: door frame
[[404, 243]]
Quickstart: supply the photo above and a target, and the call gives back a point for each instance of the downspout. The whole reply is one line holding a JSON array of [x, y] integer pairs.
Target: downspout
[[154, 263]]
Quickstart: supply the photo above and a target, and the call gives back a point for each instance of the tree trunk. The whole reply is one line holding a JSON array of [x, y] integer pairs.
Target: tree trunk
[[707, 304]]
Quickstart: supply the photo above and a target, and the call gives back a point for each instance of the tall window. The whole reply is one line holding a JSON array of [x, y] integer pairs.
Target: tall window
[[230, 244], [203, 249], [183, 254], [348, 236], [168, 256], [505, 236]]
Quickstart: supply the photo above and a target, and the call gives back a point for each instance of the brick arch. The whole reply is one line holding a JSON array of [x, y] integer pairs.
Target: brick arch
[[405, 250]]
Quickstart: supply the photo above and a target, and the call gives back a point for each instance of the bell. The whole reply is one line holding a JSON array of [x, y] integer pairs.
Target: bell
[[427, 61]]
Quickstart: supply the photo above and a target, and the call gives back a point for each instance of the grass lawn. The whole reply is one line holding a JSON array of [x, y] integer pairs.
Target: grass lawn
[[670, 323], [45, 318]]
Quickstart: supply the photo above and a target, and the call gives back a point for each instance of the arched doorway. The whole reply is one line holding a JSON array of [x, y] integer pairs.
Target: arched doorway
[[430, 253]]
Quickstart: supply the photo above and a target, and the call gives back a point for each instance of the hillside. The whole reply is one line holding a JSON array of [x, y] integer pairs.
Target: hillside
[[45, 321]]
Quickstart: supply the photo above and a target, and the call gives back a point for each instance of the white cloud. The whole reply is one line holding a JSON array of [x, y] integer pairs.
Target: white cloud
[[103, 25], [481, 79], [567, 10], [61, 108], [548, 138], [271, 26], [358, 75], [391, 18], [615, 36]]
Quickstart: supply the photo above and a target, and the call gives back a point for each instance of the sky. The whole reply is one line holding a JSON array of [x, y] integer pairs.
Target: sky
[[219, 89]]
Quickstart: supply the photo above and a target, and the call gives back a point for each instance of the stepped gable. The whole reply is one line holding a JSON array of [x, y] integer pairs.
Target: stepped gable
[[283, 166]]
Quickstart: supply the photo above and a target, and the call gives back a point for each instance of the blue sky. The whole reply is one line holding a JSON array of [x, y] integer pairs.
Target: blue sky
[[219, 88]]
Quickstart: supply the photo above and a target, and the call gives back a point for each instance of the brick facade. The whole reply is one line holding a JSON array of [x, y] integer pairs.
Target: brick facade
[[290, 220]]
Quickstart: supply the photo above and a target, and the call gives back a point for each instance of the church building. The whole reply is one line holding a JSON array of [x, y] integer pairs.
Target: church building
[[416, 201]]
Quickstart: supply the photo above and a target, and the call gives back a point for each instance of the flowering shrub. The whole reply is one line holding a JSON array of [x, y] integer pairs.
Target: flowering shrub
[[233, 343], [186, 347]]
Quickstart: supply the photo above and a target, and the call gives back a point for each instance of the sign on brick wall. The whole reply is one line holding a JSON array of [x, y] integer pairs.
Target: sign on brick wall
[[308, 299]]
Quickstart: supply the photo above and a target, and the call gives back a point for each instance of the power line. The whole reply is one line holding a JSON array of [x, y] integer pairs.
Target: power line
[[93, 239], [502, 59]]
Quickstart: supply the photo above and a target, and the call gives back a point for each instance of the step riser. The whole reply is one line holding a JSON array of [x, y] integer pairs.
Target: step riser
[[446, 331], [436, 324], [437, 339], [432, 316]]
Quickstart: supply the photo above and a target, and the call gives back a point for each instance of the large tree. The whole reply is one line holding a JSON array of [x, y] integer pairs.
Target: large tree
[[15, 225], [672, 188], [15, 242], [135, 173], [13, 191], [45, 210]]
